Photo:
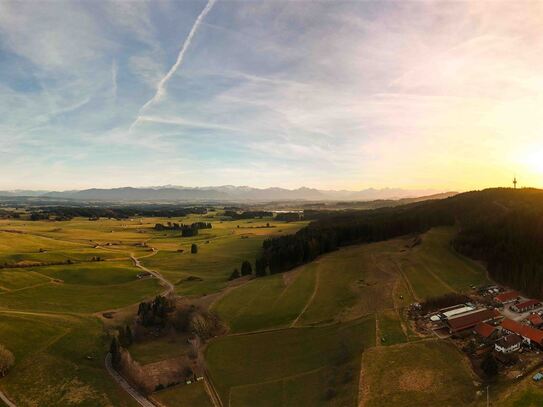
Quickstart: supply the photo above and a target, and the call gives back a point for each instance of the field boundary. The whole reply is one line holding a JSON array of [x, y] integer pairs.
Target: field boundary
[[310, 300]]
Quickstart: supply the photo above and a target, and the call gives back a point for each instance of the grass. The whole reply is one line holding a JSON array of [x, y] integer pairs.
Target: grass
[[59, 356], [434, 268], [220, 250], [269, 302], [409, 375], [334, 301], [532, 397], [51, 353], [352, 282], [96, 273], [188, 395], [390, 327], [73, 298], [286, 355], [159, 349]]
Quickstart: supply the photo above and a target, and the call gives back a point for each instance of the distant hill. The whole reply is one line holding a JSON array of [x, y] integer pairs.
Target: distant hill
[[224, 193]]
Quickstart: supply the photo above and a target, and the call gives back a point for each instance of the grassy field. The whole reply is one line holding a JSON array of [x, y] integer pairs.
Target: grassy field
[[159, 349], [191, 395], [410, 375], [220, 250], [321, 317], [245, 367], [269, 302], [434, 268], [47, 312], [375, 281]]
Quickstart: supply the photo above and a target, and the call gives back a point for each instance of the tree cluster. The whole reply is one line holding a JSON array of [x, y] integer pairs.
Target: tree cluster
[[113, 212], [155, 313], [289, 216]]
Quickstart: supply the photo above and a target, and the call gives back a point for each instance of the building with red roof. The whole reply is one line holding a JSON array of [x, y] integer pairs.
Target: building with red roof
[[529, 334], [471, 319], [484, 330], [526, 306], [535, 320], [507, 297]]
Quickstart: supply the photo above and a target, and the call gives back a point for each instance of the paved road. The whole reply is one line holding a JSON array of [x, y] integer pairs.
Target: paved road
[[136, 395], [7, 401], [169, 286]]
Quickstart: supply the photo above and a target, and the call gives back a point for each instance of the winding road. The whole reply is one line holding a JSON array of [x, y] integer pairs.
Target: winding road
[[165, 283], [136, 395]]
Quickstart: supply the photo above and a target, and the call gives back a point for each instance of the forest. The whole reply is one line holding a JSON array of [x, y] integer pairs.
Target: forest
[[501, 227]]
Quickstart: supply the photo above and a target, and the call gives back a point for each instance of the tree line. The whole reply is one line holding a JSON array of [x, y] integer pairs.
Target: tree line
[[121, 212], [501, 227]]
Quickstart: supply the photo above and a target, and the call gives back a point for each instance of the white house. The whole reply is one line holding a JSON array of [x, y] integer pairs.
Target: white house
[[508, 344]]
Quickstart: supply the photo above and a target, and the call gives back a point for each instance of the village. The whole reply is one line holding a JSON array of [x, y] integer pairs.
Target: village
[[491, 323]]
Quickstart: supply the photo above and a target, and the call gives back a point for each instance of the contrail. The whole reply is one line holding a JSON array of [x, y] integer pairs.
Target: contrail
[[161, 88]]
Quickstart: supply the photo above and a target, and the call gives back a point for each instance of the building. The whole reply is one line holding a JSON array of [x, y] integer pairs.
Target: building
[[535, 320], [529, 335], [470, 319], [508, 344], [507, 297], [485, 331], [526, 306]]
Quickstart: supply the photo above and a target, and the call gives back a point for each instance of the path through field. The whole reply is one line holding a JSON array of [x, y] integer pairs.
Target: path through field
[[165, 283]]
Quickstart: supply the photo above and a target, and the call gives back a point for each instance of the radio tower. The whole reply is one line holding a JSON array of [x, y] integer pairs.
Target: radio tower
[[515, 182]]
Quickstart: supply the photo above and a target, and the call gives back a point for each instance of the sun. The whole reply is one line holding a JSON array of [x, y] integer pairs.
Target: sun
[[533, 160]]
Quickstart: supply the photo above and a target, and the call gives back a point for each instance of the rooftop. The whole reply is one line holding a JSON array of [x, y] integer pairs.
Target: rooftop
[[509, 341], [485, 330], [471, 319], [507, 296], [527, 304], [534, 335]]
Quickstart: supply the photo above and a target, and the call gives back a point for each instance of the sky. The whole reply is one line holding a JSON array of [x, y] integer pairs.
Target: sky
[[330, 94]]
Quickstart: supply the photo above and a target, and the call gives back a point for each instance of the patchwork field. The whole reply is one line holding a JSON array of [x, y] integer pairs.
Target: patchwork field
[[52, 289], [294, 338], [290, 365], [372, 283]]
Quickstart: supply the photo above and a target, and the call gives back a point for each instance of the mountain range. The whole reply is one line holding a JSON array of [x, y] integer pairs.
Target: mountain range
[[222, 193]]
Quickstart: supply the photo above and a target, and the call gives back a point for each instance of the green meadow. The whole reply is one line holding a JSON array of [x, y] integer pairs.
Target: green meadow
[[362, 290], [48, 312], [294, 338]]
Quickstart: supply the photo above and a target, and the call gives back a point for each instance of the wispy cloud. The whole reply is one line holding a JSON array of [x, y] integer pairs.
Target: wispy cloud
[[161, 87]]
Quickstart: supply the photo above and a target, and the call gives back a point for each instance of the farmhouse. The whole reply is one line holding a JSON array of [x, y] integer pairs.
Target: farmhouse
[[485, 331], [535, 320], [507, 297], [526, 306], [471, 319], [529, 335], [508, 344]]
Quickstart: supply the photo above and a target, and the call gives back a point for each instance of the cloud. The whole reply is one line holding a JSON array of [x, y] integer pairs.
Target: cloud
[[161, 87]]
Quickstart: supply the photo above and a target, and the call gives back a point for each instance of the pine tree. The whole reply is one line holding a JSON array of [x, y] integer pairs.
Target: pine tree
[[115, 351], [246, 268]]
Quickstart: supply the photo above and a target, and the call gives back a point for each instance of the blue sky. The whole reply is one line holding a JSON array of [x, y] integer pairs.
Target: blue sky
[[329, 94]]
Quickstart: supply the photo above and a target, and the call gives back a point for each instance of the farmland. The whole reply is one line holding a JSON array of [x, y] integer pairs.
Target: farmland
[[58, 277], [364, 289], [288, 334], [409, 375]]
